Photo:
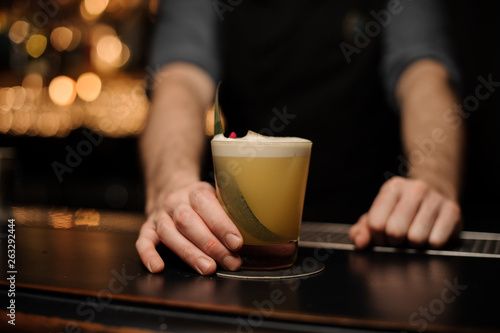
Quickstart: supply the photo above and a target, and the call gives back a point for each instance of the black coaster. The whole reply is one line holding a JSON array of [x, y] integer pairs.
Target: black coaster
[[303, 267]]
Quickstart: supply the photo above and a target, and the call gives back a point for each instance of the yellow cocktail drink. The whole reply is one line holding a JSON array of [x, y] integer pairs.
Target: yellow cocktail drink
[[261, 183]]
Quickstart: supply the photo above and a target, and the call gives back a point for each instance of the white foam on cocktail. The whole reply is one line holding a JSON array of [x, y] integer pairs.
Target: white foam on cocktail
[[256, 145]]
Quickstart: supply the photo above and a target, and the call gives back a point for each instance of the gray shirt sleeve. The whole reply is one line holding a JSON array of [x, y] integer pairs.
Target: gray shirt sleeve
[[419, 31], [186, 30]]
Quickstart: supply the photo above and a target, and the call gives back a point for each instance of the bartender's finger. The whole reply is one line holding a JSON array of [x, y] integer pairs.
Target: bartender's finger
[[359, 233], [182, 247], [421, 227], [384, 203], [146, 247], [447, 222], [205, 203], [382, 208], [190, 224], [403, 214]]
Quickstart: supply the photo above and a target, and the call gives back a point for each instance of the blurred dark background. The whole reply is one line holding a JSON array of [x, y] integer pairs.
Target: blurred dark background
[[476, 32], [46, 104]]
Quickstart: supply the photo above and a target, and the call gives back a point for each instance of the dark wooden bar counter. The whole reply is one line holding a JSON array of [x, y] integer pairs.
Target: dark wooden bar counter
[[78, 271]]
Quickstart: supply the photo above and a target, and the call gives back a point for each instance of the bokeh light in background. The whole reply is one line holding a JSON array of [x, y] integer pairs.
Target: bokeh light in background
[[109, 49], [6, 98], [62, 90], [95, 7], [88, 86], [61, 38], [36, 45], [19, 97], [18, 31], [108, 52]]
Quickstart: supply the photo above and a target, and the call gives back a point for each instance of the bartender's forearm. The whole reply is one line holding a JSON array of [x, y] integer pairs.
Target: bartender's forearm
[[173, 140], [433, 148]]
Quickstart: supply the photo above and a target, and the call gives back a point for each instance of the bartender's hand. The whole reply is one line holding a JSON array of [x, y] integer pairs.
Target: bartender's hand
[[407, 209], [191, 222], [421, 209]]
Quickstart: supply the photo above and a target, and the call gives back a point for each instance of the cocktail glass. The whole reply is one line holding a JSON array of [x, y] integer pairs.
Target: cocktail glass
[[261, 184]]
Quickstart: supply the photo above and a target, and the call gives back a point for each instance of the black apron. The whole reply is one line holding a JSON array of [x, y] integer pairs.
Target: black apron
[[286, 75]]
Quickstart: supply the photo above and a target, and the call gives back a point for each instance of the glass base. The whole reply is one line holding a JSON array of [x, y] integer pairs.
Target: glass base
[[267, 257]]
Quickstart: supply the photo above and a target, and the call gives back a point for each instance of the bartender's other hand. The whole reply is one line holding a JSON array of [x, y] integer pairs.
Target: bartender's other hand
[[192, 223], [407, 209]]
